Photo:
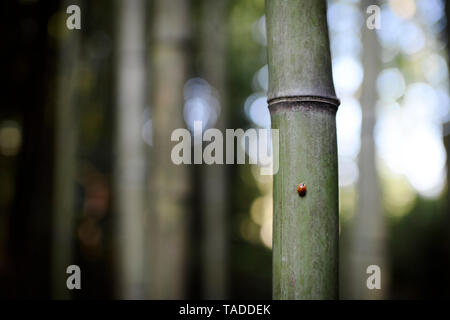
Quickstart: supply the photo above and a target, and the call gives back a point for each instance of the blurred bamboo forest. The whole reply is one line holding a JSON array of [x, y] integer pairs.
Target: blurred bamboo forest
[[85, 173]]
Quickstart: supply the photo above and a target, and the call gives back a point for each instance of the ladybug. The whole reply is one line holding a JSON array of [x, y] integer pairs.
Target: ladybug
[[301, 189]]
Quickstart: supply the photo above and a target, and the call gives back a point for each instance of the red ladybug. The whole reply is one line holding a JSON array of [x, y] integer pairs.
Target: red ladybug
[[301, 189]]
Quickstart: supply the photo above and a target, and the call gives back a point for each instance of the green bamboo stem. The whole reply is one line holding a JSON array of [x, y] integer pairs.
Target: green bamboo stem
[[303, 106], [66, 141], [214, 177], [169, 183]]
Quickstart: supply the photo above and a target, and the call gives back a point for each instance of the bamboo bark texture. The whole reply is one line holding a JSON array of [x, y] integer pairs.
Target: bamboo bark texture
[[303, 106]]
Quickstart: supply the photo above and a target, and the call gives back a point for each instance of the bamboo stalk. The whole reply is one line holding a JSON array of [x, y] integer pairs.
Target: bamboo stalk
[[303, 106], [214, 180], [130, 166], [368, 227], [169, 182], [66, 134]]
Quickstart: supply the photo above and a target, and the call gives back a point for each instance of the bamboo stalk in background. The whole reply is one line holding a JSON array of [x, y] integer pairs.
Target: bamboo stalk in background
[[130, 166], [66, 133], [368, 227], [447, 125], [214, 182], [170, 183], [303, 106]]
